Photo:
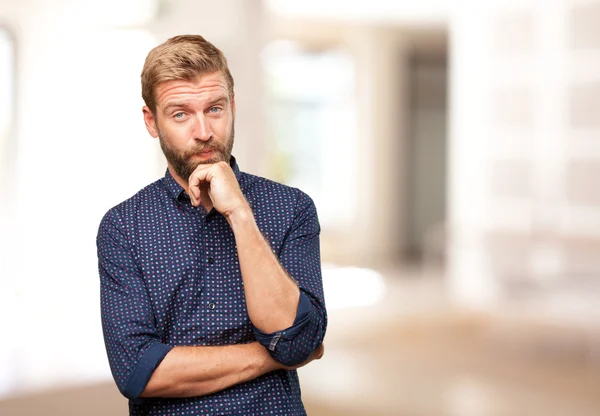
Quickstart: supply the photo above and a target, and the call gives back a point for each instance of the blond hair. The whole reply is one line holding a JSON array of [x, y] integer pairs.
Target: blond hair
[[181, 57]]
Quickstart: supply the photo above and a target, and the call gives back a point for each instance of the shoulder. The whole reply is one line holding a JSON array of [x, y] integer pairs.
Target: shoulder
[[128, 210], [275, 203], [263, 191]]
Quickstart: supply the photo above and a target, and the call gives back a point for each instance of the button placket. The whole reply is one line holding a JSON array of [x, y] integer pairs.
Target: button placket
[[209, 228]]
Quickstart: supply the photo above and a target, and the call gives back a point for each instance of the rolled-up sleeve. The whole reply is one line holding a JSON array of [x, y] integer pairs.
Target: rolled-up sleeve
[[133, 345], [300, 257]]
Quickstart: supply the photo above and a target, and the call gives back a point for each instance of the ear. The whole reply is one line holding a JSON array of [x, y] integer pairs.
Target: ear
[[233, 104], [150, 122]]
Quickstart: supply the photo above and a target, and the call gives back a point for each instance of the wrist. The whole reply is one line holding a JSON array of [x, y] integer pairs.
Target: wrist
[[265, 362], [240, 216]]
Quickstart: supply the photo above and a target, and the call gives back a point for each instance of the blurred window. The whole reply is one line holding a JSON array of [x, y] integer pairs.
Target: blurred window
[[311, 111], [7, 294], [7, 82]]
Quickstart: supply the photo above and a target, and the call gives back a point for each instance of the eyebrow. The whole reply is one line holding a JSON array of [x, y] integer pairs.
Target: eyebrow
[[218, 99], [174, 104]]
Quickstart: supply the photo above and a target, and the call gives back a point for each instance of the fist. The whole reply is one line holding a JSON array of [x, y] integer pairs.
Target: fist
[[218, 183]]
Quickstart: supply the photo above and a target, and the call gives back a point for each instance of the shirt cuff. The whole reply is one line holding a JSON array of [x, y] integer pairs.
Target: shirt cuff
[[136, 383], [303, 312]]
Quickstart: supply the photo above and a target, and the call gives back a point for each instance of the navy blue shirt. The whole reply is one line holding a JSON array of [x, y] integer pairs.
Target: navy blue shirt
[[170, 275]]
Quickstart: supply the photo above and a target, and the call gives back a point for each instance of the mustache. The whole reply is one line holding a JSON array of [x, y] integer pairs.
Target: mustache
[[210, 145]]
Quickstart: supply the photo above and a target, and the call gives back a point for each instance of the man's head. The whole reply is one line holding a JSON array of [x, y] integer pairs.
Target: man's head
[[190, 107], [182, 57]]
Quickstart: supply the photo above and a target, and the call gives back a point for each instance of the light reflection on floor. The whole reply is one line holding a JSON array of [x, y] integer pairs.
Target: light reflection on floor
[[411, 353]]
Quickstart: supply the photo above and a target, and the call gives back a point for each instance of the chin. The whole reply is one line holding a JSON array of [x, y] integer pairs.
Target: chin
[[215, 159]]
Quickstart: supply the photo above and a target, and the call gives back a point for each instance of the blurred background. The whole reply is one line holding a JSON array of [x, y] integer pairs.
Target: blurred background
[[452, 149]]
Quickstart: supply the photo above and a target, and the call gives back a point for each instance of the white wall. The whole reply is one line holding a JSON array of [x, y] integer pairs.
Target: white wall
[[523, 152], [81, 148]]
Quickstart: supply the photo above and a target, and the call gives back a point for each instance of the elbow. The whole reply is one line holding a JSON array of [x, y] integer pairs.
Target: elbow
[[295, 350], [128, 387], [292, 359], [127, 391], [295, 345], [134, 392], [139, 382]]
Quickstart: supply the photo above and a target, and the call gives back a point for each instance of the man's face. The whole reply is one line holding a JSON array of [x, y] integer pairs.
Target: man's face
[[194, 122]]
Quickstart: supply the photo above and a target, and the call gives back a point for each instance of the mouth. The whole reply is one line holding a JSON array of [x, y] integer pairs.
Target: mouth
[[204, 154]]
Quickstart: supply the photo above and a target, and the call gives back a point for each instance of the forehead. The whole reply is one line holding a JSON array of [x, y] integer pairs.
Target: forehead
[[203, 87]]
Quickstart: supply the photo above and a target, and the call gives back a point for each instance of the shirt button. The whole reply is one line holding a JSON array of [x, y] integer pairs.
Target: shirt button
[[211, 260], [211, 305]]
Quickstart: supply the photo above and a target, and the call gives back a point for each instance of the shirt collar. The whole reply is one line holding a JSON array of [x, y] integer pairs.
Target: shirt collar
[[176, 191]]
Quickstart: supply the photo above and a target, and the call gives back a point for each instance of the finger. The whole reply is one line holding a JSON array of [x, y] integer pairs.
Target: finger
[[195, 180]]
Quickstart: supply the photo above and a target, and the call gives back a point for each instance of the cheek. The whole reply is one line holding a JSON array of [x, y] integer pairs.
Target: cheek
[[225, 127], [178, 134]]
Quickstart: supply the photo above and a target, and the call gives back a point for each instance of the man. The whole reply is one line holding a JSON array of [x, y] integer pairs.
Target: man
[[211, 289]]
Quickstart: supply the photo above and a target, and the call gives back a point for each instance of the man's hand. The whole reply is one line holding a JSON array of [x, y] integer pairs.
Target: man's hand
[[218, 183]]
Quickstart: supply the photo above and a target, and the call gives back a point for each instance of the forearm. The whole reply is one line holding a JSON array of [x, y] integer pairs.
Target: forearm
[[271, 295], [198, 371]]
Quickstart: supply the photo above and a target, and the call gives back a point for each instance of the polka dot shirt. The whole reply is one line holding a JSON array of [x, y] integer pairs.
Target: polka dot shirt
[[170, 275]]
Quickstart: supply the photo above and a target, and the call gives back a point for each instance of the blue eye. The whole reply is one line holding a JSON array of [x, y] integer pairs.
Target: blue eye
[[215, 109], [178, 116]]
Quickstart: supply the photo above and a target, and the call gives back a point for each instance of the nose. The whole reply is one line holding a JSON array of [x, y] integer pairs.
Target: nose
[[202, 128]]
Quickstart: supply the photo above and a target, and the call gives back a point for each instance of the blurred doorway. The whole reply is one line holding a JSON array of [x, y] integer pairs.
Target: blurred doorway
[[426, 156]]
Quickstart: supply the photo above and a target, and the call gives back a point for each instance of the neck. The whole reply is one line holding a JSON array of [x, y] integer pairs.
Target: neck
[[178, 179]]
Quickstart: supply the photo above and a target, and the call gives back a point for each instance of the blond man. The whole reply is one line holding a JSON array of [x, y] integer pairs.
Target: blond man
[[211, 287]]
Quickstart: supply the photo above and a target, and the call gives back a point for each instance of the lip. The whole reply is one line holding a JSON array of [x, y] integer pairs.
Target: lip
[[205, 153]]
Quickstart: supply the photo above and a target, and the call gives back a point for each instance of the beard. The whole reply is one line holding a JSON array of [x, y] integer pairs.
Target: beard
[[181, 159]]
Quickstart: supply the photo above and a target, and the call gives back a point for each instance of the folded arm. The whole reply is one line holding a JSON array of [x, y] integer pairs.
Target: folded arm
[[284, 291], [141, 364], [198, 371]]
